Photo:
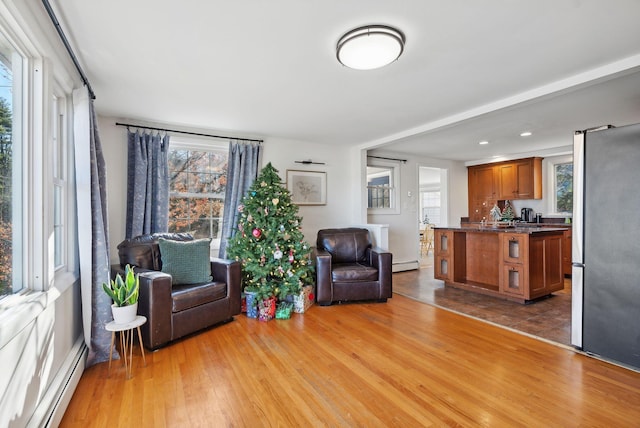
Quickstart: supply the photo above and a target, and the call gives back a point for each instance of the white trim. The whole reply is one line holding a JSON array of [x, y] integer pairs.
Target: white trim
[[51, 408], [394, 188], [569, 84], [550, 177]]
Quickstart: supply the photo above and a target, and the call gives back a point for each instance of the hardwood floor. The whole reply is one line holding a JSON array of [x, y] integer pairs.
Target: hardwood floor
[[403, 363], [548, 318]]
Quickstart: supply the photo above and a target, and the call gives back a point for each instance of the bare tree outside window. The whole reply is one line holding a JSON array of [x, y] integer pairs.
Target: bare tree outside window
[[198, 180]]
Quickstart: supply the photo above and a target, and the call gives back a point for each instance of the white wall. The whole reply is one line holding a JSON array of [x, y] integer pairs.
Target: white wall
[[340, 165], [346, 176], [404, 227]]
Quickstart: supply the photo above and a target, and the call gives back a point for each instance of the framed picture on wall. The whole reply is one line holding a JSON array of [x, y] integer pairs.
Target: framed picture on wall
[[307, 187]]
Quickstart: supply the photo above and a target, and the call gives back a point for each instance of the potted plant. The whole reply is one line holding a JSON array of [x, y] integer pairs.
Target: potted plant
[[124, 293]]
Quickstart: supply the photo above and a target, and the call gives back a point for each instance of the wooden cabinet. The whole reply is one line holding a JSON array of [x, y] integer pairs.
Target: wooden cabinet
[[443, 255], [520, 179], [489, 183], [482, 191], [514, 259], [520, 265], [545, 255]]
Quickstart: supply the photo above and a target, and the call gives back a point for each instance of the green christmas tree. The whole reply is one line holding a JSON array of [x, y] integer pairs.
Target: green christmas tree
[[269, 242]]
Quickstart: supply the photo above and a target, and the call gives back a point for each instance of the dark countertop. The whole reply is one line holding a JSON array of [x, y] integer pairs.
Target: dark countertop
[[517, 228]]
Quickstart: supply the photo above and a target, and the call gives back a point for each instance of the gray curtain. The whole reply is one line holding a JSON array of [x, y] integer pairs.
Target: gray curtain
[[147, 184], [92, 222], [244, 159]]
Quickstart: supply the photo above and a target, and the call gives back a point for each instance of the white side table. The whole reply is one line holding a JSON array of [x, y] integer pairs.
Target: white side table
[[126, 341]]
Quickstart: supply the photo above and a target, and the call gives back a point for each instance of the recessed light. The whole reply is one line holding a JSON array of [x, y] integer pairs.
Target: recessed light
[[525, 134], [482, 143]]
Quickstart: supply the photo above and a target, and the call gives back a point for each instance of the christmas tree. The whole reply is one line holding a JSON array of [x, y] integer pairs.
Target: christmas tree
[[269, 241]]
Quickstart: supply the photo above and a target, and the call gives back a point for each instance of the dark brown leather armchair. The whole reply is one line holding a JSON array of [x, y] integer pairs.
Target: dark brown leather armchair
[[174, 311], [349, 268]]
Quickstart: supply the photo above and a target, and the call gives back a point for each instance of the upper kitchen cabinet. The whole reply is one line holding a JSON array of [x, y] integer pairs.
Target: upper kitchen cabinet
[[489, 183], [520, 179], [482, 181], [482, 191]]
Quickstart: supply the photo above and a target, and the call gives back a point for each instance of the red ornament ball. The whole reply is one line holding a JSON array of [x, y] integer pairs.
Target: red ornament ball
[[257, 233]]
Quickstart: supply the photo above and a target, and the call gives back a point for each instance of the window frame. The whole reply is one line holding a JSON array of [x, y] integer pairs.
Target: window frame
[[181, 142], [38, 83], [62, 275], [393, 188], [552, 184]]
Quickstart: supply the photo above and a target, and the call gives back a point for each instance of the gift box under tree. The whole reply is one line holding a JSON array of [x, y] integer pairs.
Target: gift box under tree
[[303, 300]]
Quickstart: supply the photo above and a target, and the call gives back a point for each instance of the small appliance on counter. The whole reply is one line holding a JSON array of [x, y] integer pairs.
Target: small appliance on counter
[[528, 215]]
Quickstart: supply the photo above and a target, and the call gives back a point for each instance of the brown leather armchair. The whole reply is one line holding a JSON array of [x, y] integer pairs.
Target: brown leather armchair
[[174, 311], [348, 267]]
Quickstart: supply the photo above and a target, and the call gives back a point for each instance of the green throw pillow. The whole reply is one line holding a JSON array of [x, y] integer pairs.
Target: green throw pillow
[[186, 261]]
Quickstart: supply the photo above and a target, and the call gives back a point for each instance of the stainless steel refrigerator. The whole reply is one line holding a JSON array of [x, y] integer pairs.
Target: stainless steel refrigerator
[[606, 243]]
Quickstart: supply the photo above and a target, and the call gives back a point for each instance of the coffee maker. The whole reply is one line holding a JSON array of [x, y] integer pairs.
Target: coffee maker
[[527, 214]]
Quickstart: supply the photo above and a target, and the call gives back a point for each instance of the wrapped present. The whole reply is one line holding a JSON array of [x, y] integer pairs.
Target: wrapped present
[[303, 300], [283, 311], [267, 309], [243, 305], [252, 305]]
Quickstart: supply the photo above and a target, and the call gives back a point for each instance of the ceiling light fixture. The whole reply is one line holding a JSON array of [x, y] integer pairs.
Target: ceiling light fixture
[[370, 47], [526, 134], [482, 143]]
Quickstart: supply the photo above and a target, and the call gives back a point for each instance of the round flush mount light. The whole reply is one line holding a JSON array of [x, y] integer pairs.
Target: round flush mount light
[[370, 47]]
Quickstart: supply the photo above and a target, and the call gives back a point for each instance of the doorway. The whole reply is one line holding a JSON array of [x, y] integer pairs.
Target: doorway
[[432, 209]]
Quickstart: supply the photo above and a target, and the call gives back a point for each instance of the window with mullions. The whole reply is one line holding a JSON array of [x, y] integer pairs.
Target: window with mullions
[[10, 170], [383, 180], [198, 179]]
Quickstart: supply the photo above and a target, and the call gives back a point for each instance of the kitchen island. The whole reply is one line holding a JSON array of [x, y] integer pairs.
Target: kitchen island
[[515, 263]]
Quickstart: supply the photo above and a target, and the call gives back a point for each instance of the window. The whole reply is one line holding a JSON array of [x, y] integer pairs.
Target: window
[[10, 170], [379, 184], [563, 185], [430, 203], [198, 178], [382, 187], [59, 160]]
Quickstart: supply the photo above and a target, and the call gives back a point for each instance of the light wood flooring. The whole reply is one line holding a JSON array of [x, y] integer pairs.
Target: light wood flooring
[[402, 363]]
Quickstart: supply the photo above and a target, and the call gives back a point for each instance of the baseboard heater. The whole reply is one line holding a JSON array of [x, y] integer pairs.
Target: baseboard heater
[[51, 409], [405, 265]]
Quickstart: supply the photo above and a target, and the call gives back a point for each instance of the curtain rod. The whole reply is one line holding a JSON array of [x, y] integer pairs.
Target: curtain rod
[[67, 46], [394, 159], [187, 132]]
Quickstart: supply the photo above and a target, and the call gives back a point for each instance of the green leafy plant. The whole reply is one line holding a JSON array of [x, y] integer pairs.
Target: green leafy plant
[[123, 292]]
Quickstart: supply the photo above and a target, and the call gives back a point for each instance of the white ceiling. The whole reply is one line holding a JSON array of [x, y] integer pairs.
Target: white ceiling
[[471, 71]]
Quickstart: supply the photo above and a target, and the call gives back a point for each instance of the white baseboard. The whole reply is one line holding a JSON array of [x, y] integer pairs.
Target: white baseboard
[[54, 403], [402, 266]]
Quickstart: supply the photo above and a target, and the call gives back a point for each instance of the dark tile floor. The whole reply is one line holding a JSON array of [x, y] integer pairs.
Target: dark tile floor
[[549, 318]]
